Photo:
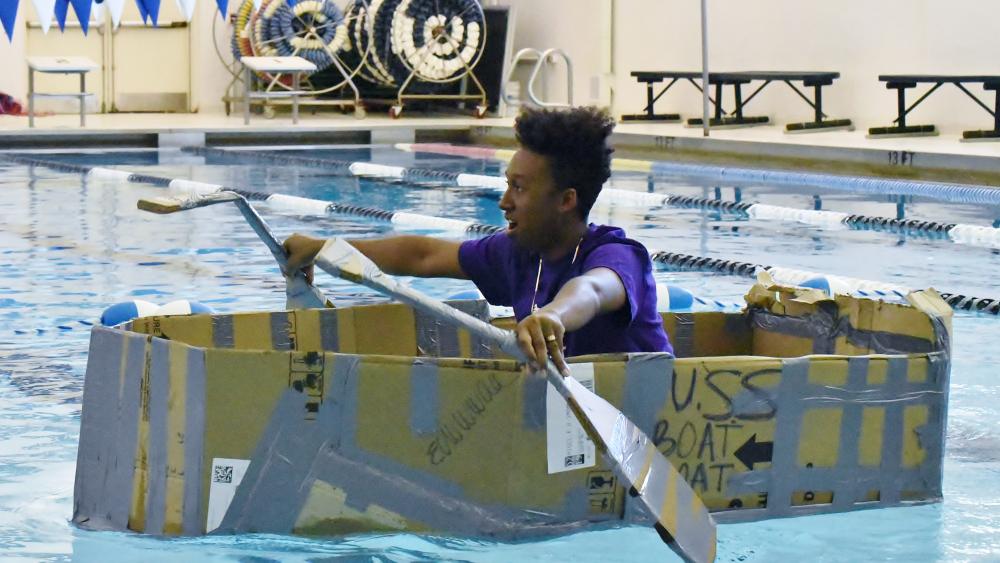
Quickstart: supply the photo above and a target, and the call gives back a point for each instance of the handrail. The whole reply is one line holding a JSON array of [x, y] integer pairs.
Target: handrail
[[541, 58]]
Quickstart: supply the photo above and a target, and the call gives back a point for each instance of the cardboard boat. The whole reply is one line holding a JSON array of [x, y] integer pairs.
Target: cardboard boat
[[376, 418]]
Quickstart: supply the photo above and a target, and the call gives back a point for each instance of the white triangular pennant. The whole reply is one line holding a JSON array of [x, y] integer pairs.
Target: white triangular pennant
[[45, 10], [256, 5], [115, 8], [187, 8]]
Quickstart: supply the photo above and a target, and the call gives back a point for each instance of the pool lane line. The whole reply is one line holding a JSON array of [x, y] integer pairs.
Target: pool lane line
[[972, 235], [680, 261], [947, 191]]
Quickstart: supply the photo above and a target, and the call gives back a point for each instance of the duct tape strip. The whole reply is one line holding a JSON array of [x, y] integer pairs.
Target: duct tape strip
[[222, 331], [156, 462], [100, 502], [194, 435], [648, 380], [329, 330], [424, 394], [849, 481], [682, 337], [272, 491], [282, 337], [850, 489], [676, 260]]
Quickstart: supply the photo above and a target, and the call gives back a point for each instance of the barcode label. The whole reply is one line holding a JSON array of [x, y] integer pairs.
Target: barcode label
[[226, 477], [569, 447]]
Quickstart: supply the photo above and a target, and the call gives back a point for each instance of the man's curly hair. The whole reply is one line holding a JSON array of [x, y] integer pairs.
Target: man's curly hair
[[575, 143]]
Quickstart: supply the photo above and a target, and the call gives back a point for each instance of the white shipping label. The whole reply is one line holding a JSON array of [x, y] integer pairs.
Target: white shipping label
[[226, 476], [569, 447]]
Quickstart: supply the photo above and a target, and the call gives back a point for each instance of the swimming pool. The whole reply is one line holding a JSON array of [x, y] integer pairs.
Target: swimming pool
[[72, 246]]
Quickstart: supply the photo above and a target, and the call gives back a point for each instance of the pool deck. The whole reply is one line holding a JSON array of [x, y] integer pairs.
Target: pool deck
[[768, 146]]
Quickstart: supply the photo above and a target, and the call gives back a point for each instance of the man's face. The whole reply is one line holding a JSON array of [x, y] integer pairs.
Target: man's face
[[531, 201]]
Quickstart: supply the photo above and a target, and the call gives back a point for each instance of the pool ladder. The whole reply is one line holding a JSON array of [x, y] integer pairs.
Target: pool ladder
[[542, 59]]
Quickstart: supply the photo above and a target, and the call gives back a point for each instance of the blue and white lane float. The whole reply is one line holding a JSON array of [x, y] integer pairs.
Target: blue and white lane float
[[306, 206], [973, 235], [944, 191]]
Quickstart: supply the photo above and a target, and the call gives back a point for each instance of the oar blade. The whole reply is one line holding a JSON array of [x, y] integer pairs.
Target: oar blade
[[166, 205], [682, 519]]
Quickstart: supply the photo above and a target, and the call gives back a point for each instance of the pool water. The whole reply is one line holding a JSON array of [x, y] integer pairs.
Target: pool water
[[71, 246]]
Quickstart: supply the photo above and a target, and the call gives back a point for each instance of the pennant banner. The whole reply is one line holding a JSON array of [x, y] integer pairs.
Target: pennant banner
[[115, 8], [187, 8], [60, 11], [8, 15], [149, 9], [223, 7], [44, 10], [82, 9]]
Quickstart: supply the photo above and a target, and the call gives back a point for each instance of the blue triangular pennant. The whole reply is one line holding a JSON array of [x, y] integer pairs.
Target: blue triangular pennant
[[150, 8], [82, 9], [62, 6], [223, 7], [8, 15], [142, 11]]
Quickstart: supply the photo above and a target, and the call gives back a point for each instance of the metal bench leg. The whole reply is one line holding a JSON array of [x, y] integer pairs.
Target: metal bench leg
[[718, 101], [901, 106], [31, 97], [83, 99], [649, 100], [819, 103], [738, 95]]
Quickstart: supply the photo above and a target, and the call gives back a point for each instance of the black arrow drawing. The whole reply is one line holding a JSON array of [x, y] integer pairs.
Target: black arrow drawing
[[754, 452]]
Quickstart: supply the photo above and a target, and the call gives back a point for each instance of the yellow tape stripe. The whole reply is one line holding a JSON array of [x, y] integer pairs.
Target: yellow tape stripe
[[176, 411], [137, 511]]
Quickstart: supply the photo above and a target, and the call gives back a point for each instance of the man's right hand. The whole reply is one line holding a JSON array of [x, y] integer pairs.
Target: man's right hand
[[301, 251]]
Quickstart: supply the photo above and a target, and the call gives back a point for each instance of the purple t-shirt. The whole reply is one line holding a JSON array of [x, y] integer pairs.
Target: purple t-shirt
[[506, 274]]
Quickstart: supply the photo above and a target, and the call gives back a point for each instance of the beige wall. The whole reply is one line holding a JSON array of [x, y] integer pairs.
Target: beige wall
[[859, 38], [13, 69]]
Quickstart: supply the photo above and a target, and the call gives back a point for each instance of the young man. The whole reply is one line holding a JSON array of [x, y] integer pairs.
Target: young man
[[576, 288]]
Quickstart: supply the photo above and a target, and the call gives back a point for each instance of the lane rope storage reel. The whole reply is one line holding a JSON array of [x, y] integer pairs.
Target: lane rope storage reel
[[316, 30]]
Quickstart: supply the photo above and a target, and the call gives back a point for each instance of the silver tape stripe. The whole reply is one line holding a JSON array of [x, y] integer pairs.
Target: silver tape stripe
[[279, 477], [892, 437], [849, 473], [281, 337], [100, 403], [194, 436], [156, 461], [127, 429], [648, 379], [428, 330], [784, 459], [933, 439], [533, 402], [479, 347], [424, 397], [683, 337], [264, 501], [328, 330], [222, 331]]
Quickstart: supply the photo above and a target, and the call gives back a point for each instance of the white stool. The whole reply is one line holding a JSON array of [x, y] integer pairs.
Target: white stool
[[275, 65], [59, 65]]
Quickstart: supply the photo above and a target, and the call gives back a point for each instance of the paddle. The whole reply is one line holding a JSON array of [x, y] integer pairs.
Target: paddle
[[682, 519], [299, 293]]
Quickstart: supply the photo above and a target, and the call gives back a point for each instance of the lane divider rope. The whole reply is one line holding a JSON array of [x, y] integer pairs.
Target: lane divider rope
[[300, 205], [974, 235], [946, 191]]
